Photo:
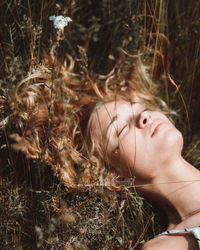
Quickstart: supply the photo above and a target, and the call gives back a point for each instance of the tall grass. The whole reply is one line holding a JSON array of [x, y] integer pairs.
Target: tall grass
[[37, 211]]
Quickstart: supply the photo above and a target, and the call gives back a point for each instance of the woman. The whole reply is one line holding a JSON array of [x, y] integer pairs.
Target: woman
[[126, 135], [144, 144], [136, 140]]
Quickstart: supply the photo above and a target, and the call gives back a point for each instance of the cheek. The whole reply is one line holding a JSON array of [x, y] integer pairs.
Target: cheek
[[140, 156], [123, 161], [158, 153], [171, 142], [143, 158]]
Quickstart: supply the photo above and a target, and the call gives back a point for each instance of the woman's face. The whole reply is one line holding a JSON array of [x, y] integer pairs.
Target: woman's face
[[136, 141]]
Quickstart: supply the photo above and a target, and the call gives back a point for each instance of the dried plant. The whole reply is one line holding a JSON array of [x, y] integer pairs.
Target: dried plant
[[38, 210]]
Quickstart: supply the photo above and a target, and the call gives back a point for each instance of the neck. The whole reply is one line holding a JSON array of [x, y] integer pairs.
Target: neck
[[176, 188]]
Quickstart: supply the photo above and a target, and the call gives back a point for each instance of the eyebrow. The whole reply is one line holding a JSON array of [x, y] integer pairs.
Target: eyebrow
[[115, 117]]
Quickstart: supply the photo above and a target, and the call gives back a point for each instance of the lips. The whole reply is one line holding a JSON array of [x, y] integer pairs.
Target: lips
[[155, 127]]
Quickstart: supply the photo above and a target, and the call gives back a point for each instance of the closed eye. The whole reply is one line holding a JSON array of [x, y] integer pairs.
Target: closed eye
[[119, 133], [116, 149]]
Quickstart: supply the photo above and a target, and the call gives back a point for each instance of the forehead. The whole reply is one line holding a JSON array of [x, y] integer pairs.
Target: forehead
[[108, 110], [104, 114]]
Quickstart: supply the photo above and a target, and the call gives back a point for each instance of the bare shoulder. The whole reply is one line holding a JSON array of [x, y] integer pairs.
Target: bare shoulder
[[155, 244], [175, 242]]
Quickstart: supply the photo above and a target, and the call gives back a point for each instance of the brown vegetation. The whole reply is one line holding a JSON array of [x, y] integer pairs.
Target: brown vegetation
[[37, 210]]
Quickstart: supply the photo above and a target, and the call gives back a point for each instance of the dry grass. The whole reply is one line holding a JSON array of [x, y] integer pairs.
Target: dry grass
[[37, 211]]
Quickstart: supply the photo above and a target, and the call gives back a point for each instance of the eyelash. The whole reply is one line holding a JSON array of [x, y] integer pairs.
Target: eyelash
[[146, 109], [115, 150], [118, 134]]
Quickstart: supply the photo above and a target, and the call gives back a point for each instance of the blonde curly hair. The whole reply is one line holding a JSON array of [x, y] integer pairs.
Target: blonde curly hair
[[53, 110]]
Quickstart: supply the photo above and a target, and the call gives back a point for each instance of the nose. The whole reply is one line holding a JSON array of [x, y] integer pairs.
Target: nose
[[144, 119]]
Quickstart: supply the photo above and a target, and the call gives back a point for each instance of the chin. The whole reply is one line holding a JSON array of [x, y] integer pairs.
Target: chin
[[174, 141]]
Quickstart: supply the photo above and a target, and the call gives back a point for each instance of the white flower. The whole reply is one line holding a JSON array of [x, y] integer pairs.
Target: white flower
[[60, 22]]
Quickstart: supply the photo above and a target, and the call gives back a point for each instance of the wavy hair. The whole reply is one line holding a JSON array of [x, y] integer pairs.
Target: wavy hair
[[53, 110], [130, 80]]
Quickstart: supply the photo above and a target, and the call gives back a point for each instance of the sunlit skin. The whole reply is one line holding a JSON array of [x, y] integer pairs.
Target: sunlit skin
[[138, 138], [143, 143]]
